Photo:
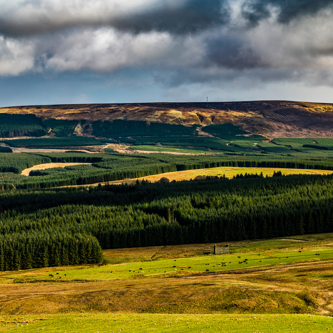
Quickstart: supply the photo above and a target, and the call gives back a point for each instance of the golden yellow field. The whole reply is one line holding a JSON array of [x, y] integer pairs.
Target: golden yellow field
[[45, 166], [230, 172]]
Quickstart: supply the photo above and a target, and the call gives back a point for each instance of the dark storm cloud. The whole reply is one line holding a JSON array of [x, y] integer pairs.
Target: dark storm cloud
[[256, 10], [27, 17], [193, 16], [174, 41], [231, 52], [173, 16]]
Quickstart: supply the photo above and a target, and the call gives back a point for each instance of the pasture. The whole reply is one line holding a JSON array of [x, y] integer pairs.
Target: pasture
[[291, 275], [183, 266], [172, 261], [135, 323]]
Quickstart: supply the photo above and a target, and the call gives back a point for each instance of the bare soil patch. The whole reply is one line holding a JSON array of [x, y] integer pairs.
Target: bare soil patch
[[26, 172], [202, 133]]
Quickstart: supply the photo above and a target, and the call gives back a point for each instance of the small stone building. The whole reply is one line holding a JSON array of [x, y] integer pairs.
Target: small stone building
[[221, 249]]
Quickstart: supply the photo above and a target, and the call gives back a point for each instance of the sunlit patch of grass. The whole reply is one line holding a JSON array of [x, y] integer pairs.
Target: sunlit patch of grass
[[288, 275], [157, 262], [230, 172], [191, 265], [168, 323]]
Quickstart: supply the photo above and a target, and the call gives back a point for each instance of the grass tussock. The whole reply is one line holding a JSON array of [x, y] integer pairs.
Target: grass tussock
[[238, 300]]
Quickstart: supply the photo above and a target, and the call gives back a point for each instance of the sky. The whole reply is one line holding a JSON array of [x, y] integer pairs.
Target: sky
[[116, 51]]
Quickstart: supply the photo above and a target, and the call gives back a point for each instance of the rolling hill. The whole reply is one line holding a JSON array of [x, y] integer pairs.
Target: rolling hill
[[272, 119]]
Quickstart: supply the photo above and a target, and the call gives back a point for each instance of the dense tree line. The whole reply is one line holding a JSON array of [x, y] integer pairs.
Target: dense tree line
[[124, 128], [16, 163], [5, 150], [55, 142], [13, 125], [42, 249], [212, 210]]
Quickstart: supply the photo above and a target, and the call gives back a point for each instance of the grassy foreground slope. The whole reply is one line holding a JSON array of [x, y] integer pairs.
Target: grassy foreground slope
[[184, 266], [167, 323], [180, 279]]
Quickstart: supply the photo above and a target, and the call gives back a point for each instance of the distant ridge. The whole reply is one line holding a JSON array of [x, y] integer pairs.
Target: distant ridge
[[269, 118]]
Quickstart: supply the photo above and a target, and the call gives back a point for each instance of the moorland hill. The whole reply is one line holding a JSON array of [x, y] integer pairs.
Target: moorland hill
[[272, 119]]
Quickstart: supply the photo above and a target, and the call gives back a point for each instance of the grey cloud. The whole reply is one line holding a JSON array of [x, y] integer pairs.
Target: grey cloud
[[230, 51], [174, 16], [193, 16], [256, 10], [16, 57], [242, 80], [175, 41]]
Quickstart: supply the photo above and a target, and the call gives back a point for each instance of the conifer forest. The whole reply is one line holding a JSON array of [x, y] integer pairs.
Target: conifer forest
[[43, 227]]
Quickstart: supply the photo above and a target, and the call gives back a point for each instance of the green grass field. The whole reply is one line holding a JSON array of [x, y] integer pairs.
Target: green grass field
[[284, 287], [271, 246], [173, 261], [134, 323], [182, 266]]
